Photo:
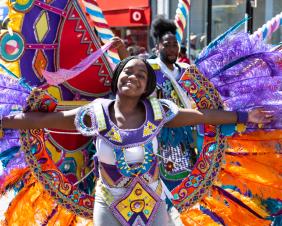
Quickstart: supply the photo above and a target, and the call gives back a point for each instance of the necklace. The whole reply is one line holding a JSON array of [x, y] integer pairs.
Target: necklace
[[129, 171]]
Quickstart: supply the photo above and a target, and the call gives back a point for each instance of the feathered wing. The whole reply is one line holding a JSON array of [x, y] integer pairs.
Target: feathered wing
[[44, 32], [247, 73], [12, 101], [32, 203]]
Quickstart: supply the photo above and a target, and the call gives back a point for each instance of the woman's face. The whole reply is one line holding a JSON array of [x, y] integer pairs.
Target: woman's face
[[132, 80]]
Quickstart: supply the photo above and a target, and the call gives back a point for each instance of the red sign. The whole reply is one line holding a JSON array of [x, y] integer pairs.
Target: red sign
[[137, 16]]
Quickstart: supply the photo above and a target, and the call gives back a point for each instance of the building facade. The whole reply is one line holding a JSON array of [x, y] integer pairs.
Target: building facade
[[223, 14], [129, 20]]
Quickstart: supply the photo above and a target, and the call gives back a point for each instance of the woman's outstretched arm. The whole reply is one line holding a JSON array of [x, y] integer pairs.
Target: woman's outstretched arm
[[216, 117], [37, 120]]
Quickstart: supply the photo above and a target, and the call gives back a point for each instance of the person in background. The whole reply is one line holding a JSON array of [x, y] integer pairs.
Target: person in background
[[143, 53], [172, 140], [182, 57], [193, 48], [154, 53]]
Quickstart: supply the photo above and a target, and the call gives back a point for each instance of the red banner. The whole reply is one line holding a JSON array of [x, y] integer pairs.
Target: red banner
[[137, 16]]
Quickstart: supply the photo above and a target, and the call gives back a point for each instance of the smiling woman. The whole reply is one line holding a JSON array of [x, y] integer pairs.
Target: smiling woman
[[129, 189], [143, 70], [119, 169]]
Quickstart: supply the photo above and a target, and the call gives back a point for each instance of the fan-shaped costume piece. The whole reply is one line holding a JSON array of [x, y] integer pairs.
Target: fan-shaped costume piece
[[43, 32], [245, 188], [248, 188]]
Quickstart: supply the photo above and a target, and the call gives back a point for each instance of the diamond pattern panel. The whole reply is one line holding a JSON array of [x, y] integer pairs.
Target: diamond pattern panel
[[41, 26], [40, 63]]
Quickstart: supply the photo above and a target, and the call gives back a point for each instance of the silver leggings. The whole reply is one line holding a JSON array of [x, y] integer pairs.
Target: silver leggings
[[104, 217]]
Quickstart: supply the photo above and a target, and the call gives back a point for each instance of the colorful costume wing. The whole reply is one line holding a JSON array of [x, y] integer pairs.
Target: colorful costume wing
[[38, 182], [13, 161], [247, 74], [49, 166], [55, 35], [49, 35], [197, 183]]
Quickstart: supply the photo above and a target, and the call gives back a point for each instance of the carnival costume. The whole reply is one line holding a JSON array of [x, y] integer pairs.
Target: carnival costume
[[176, 144], [234, 182], [138, 204]]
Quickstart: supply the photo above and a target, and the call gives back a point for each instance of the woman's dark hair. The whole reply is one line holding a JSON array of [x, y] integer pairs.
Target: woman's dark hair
[[162, 26], [151, 81]]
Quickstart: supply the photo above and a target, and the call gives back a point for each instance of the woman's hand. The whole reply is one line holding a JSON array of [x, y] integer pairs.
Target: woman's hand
[[120, 46], [117, 42], [260, 116]]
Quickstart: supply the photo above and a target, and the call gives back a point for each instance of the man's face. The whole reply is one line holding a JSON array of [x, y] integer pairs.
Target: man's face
[[168, 49]]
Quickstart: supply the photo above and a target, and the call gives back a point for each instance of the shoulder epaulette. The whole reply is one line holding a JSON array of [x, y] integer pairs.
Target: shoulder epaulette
[[155, 66], [100, 117], [156, 108]]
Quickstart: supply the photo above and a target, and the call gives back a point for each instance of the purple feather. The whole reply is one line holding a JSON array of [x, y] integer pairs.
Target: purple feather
[[12, 101], [248, 74]]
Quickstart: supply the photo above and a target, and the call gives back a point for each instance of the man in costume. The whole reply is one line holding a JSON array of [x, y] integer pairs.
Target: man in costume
[[168, 71]]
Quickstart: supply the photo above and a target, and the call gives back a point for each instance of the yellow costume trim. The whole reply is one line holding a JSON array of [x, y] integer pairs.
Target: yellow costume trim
[[109, 198], [156, 66]]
